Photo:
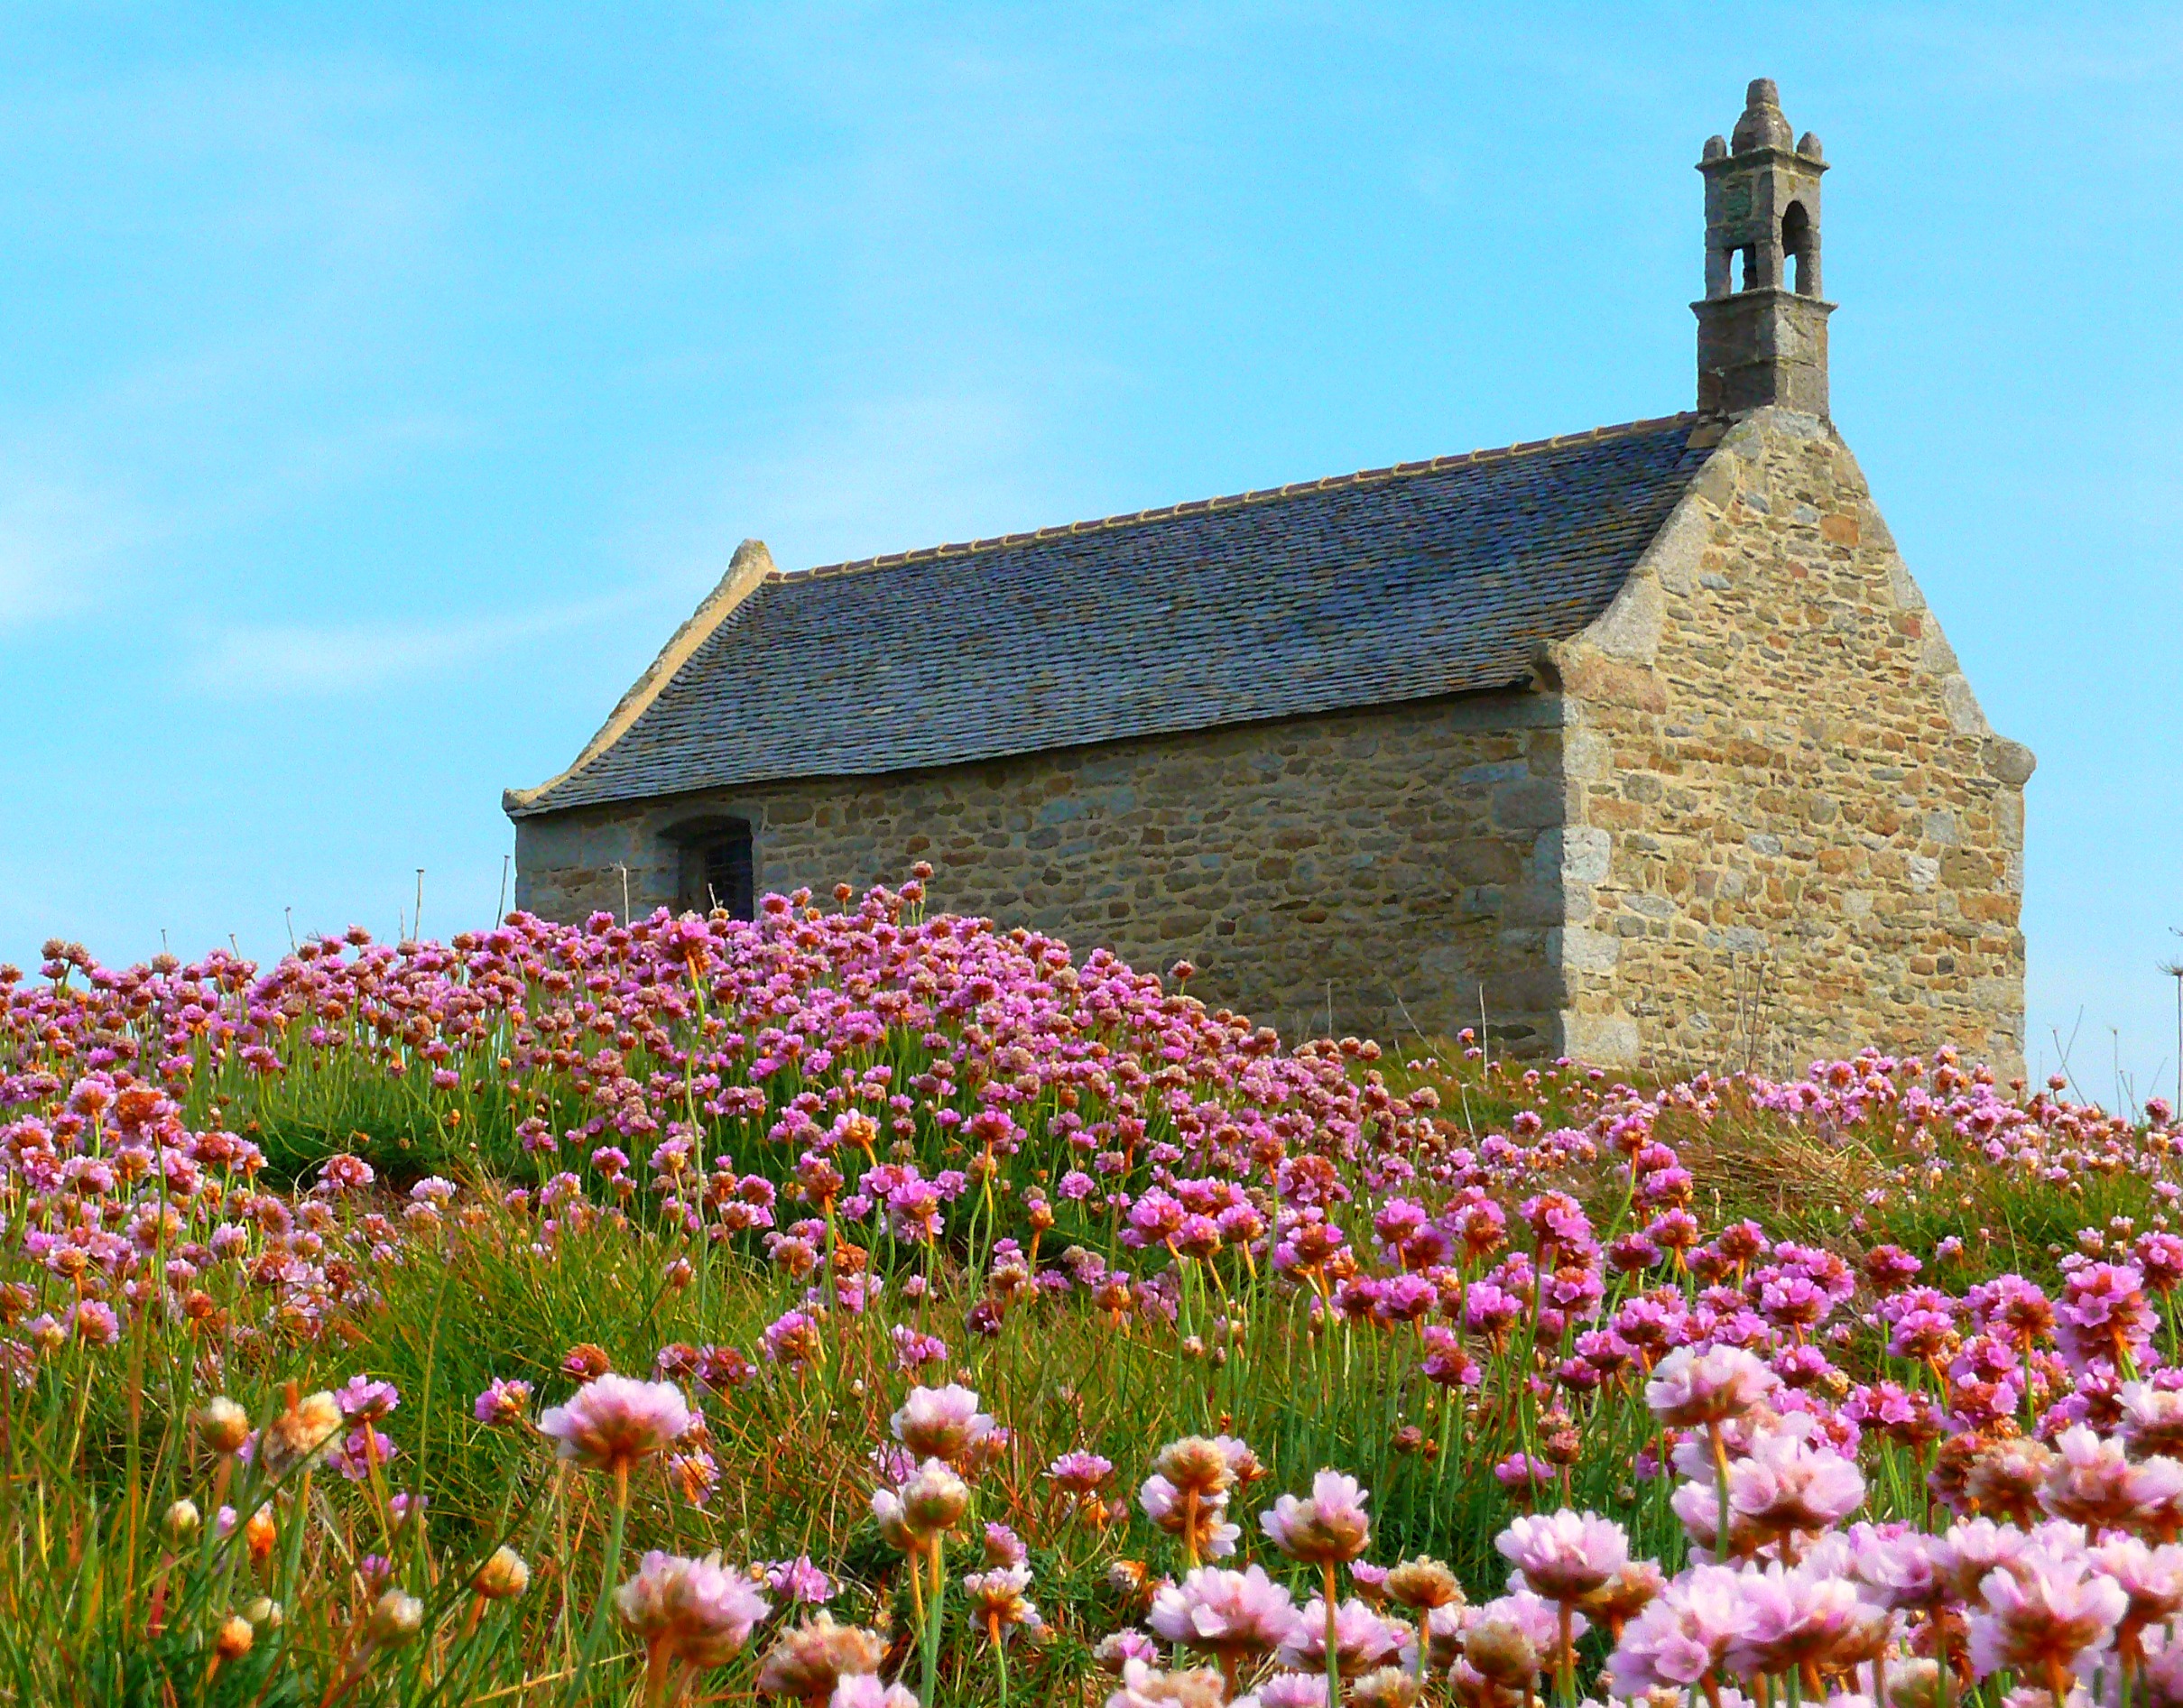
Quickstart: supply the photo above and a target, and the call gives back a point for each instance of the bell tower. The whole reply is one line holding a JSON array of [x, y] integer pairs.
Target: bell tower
[[1762, 328]]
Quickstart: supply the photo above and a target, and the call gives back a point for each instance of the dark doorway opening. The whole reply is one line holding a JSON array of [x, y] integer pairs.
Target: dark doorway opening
[[716, 869]]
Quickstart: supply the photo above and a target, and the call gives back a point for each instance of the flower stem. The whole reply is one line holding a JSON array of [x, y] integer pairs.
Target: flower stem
[[596, 1634], [1334, 1663]]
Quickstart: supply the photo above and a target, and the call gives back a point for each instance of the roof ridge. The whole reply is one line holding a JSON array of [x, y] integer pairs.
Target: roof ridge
[[1256, 495]]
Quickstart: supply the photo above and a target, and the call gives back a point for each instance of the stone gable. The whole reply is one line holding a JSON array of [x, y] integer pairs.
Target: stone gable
[[1800, 834]]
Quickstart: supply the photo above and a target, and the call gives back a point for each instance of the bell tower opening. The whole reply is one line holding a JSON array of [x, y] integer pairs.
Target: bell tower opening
[[1761, 324]]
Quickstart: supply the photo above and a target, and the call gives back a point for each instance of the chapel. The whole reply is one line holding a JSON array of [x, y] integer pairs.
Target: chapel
[[1638, 745]]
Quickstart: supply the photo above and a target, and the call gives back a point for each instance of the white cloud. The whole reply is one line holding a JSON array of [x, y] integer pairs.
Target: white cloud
[[59, 546], [302, 660]]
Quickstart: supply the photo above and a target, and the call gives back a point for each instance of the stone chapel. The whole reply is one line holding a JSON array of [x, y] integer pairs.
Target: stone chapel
[[1638, 743]]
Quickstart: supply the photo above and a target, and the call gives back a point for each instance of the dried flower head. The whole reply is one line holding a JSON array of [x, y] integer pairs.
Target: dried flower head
[[808, 1662]]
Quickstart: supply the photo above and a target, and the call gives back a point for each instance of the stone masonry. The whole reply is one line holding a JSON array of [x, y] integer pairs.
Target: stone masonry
[[1380, 871], [1791, 829]]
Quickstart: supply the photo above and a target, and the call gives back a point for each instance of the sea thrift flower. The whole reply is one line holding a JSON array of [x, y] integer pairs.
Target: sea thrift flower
[[810, 1662], [616, 1421], [1683, 1635], [997, 1601], [689, 1610], [1566, 1555], [1793, 1617], [864, 1690], [502, 1402], [222, 1426], [1145, 1686], [928, 1503], [1328, 1528], [1232, 1615], [2041, 1614], [505, 1576], [300, 1430], [1362, 1639], [941, 1423], [1688, 1386]]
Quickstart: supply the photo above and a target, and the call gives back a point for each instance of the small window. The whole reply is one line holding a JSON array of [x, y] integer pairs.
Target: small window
[[715, 868]]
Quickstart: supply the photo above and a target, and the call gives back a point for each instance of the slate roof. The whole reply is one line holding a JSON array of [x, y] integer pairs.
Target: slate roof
[[1424, 579]]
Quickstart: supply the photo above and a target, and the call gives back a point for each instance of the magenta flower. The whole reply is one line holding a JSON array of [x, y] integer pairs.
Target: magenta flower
[[502, 1402], [611, 1424]]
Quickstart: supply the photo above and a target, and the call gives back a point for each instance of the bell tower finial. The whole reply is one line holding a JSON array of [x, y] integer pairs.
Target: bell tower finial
[[1761, 327]]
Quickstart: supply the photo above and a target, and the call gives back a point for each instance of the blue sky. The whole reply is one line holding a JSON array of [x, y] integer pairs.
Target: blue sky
[[380, 385]]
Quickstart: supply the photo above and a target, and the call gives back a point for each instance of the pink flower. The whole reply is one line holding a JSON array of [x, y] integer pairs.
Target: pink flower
[[502, 1402], [1230, 1614], [1682, 1634], [612, 1423], [1146, 1686], [1565, 1555], [1362, 1639], [1328, 1528], [862, 1690], [940, 1423], [690, 1611], [2152, 1577], [2042, 1613], [1786, 1484], [1079, 1472], [1291, 1689], [1691, 1387], [1793, 1617]]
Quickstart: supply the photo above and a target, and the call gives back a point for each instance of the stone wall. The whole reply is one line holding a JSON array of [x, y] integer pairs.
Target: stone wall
[[1385, 863], [1793, 830]]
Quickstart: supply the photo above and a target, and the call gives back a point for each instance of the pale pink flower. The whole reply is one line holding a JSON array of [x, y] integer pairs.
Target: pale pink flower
[[862, 1690], [1291, 1689], [1146, 1686], [1970, 1549], [1691, 1387], [1362, 1639], [612, 1423], [1788, 1484], [1683, 1634], [940, 1423], [1564, 1556], [2043, 1612], [1164, 1505], [1897, 1567], [2152, 1577], [690, 1611], [1329, 1527], [1793, 1617], [1224, 1613], [2152, 1419], [2088, 1483]]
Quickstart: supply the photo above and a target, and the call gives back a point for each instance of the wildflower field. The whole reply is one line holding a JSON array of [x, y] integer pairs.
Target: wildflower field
[[858, 1308]]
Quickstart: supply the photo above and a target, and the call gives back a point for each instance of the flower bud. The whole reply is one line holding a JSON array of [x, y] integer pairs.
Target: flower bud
[[1502, 1653], [232, 1641], [395, 1618], [1423, 1583], [183, 1523], [503, 1576], [222, 1425], [263, 1611]]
